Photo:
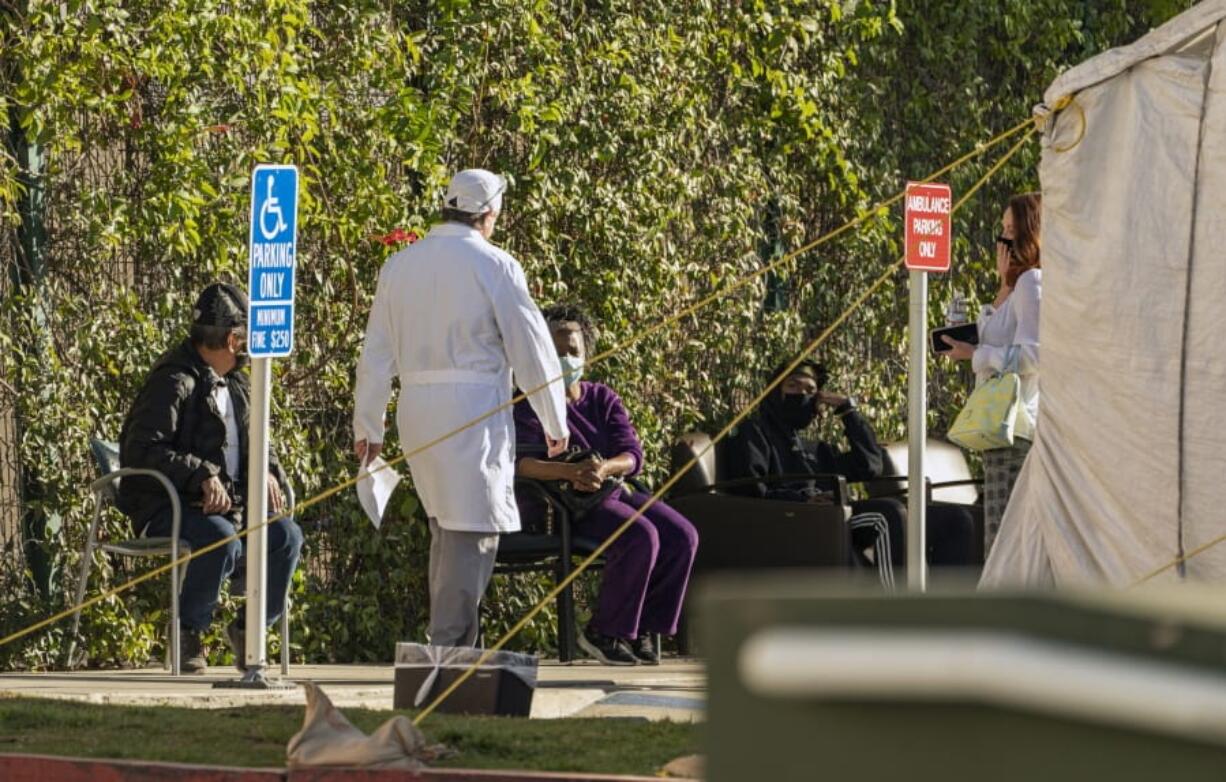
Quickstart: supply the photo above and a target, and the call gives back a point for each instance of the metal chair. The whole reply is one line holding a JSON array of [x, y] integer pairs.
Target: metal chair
[[105, 489], [947, 479], [547, 543], [745, 533], [738, 533], [290, 501]]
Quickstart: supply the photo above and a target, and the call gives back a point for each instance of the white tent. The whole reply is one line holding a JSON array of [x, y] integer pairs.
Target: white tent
[[1128, 468]]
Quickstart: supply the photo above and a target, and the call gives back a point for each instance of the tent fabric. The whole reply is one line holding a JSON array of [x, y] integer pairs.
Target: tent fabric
[[1128, 467], [1173, 36]]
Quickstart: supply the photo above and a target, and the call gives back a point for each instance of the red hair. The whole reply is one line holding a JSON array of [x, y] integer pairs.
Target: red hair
[[1026, 209]]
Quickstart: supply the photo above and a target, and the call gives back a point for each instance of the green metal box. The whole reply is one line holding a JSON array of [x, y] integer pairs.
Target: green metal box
[[815, 680]]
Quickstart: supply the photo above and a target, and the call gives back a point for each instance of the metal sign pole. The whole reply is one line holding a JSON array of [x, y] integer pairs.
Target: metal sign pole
[[917, 433], [272, 260], [257, 511], [926, 235]]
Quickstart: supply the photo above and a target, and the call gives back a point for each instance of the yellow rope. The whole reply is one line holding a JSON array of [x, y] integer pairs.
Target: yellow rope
[[668, 484], [815, 343], [1177, 561], [326, 494], [787, 258]]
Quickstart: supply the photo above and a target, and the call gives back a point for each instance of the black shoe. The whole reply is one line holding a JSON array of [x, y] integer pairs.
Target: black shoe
[[606, 648], [191, 652], [644, 649], [236, 634]]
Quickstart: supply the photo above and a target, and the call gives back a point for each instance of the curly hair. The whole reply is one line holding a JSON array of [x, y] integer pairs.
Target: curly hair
[[569, 312]]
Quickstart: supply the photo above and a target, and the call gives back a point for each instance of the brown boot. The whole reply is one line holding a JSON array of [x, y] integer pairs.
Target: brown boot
[[191, 652]]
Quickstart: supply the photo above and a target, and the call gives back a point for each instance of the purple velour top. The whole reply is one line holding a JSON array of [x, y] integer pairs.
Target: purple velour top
[[597, 420]]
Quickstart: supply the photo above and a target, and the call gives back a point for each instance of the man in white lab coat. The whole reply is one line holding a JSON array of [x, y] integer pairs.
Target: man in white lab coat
[[452, 317]]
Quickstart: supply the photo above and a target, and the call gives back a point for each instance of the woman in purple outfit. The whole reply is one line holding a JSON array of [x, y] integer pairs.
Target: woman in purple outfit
[[648, 567]]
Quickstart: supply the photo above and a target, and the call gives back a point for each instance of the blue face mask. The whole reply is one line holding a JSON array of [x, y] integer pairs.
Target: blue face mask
[[572, 369]]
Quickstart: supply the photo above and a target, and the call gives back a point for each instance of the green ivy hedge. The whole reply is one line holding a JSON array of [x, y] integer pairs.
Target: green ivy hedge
[[656, 151]]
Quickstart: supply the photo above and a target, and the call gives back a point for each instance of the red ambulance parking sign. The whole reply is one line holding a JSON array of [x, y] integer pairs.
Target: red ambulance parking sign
[[927, 216]]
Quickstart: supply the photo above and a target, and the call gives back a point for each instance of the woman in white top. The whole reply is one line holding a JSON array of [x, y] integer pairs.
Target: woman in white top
[[1008, 336]]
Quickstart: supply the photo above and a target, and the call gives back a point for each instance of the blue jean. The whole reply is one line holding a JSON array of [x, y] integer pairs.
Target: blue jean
[[201, 588]]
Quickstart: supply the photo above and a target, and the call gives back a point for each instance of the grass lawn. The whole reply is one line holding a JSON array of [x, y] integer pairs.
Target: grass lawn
[[257, 735]]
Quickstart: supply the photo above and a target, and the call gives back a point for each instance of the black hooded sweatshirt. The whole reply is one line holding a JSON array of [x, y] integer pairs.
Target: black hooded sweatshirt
[[765, 445]]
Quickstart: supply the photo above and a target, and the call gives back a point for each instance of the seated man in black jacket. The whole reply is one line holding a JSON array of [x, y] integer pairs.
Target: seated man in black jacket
[[769, 443], [189, 421]]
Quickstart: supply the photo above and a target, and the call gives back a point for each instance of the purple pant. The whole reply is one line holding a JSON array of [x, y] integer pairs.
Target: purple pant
[[646, 569]]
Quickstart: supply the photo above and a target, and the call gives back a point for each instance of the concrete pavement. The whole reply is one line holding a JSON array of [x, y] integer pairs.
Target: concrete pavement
[[674, 690]]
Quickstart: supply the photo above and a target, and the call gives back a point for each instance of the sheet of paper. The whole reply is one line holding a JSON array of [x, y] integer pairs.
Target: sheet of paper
[[375, 488]]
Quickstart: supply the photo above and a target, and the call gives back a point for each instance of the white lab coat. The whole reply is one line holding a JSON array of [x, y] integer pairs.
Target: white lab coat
[[452, 317]]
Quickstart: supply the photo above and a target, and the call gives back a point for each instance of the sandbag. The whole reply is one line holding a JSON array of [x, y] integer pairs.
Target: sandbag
[[327, 738]]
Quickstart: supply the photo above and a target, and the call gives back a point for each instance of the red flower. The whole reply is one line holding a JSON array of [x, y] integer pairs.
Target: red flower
[[399, 236]]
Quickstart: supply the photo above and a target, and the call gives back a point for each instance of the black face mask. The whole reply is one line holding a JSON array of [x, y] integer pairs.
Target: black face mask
[[797, 410]]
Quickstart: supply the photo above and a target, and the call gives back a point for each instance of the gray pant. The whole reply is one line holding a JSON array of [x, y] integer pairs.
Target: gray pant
[[461, 564]]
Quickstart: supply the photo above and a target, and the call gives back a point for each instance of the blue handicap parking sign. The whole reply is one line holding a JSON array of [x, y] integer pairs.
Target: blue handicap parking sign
[[273, 252]]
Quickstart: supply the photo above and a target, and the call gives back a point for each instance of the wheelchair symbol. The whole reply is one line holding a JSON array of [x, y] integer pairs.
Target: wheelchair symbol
[[271, 208]]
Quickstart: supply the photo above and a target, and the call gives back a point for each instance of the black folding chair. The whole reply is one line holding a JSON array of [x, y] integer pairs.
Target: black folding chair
[[547, 543]]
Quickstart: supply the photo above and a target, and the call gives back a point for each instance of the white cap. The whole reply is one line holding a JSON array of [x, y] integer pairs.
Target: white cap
[[476, 191]]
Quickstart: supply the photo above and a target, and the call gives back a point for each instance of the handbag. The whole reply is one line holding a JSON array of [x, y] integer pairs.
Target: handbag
[[575, 501], [994, 416]]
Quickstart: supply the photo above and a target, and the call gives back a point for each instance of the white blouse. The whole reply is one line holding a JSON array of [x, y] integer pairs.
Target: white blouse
[[1015, 322]]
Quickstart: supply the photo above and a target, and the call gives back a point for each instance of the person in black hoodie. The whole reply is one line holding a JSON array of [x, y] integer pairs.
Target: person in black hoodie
[[189, 421], [770, 443]]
